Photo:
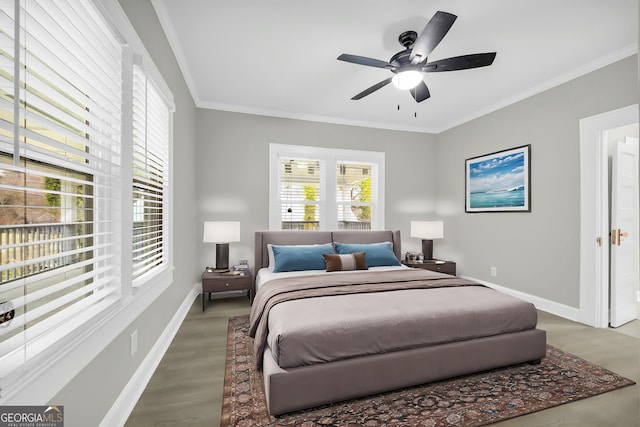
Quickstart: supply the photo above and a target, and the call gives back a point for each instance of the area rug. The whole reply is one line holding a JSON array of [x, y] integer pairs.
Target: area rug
[[469, 401]]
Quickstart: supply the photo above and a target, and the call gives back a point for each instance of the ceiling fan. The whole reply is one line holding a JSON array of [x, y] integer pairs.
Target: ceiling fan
[[409, 64]]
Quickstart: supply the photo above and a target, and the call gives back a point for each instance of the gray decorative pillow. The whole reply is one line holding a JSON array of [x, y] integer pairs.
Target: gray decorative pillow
[[345, 262]]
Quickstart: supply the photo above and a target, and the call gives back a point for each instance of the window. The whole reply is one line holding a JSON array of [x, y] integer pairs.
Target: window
[[151, 123], [84, 177], [314, 188], [354, 197], [300, 193], [60, 136]]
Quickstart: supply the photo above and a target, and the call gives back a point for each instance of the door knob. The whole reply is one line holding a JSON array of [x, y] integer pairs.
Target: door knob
[[621, 234]]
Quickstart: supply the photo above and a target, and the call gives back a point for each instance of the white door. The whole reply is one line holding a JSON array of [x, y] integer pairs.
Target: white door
[[624, 232]]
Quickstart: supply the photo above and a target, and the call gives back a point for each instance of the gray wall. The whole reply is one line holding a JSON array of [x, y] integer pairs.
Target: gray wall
[[93, 391], [537, 252], [233, 171]]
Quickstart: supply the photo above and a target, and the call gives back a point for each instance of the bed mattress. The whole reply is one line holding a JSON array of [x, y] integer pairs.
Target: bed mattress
[[433, 309]]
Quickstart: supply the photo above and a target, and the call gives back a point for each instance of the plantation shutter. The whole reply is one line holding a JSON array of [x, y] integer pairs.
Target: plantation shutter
[[59, 168], [151, 124]]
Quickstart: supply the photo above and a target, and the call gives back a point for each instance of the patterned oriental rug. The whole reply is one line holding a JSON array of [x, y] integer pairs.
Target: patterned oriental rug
[[468, 401]]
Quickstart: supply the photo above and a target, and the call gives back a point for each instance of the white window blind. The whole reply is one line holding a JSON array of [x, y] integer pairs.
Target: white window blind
[[59, 167], [300, 193], [151, 124]]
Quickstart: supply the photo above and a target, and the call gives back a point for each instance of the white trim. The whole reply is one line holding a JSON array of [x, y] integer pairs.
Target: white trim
[[126, 401], [176, 47], [548, 84], [313, 117], [594, 216], [543, 304]]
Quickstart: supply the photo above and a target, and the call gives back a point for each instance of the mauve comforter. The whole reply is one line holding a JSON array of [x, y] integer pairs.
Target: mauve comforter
[[326, 317]]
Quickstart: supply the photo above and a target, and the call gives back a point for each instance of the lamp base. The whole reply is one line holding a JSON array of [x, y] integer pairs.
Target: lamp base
[[427, 249], [222, 256]]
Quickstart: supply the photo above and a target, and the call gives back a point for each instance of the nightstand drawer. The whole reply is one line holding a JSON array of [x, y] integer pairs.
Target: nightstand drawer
[[444, 268], [223, 284], [448, 267]]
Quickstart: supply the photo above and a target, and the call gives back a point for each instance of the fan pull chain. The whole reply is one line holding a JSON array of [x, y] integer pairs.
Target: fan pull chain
[[415, 113]]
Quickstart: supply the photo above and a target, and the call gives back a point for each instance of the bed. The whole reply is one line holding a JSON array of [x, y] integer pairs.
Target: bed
[[322, 337]]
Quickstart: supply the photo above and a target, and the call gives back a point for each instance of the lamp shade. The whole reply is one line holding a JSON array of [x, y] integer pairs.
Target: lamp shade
[[427, 229], [221, 231]]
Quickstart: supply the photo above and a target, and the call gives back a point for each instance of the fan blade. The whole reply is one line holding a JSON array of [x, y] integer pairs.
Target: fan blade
[[372, 89], [420, 92], [433, 33], [460, 62], [363, 60]]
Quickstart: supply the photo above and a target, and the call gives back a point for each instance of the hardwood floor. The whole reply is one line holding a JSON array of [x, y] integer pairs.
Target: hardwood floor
[[186, 389]]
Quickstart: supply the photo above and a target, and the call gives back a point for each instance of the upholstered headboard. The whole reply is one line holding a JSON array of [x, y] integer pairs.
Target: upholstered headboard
[[299, 237]]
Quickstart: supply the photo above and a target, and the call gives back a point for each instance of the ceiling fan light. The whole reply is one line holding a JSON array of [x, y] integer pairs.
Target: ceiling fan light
[[406, 80]]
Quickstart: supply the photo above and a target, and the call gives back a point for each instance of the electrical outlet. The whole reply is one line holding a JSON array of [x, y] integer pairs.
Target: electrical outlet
[[494, 272], [134, 342]]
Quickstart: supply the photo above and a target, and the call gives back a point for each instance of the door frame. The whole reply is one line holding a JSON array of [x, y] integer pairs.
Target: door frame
[[594, 213]]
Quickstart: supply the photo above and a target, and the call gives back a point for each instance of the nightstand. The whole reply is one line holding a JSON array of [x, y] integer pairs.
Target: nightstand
[[222, 282], [448, 267]]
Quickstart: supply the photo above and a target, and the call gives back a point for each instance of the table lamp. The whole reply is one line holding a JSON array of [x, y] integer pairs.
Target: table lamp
[[427, 231], [221, 233]]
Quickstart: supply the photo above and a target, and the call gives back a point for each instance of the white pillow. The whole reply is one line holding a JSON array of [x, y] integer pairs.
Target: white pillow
[[272, 258]]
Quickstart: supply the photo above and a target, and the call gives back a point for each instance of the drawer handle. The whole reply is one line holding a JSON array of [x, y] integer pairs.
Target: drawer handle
[[226, 284]]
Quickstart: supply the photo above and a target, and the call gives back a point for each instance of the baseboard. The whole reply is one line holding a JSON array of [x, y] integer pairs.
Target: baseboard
[[126, 401], [562, 310]]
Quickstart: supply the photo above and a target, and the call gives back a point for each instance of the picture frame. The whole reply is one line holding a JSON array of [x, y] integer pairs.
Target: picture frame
[[499, 181]]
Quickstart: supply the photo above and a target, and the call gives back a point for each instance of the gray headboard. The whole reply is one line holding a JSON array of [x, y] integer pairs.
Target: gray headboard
[[300, 237]]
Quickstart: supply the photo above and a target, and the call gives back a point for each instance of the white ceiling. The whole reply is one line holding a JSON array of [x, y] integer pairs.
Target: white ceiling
[[278, 57]]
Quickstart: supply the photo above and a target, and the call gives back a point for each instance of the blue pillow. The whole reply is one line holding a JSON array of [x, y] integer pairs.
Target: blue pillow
[[375, 254], [300, 257]]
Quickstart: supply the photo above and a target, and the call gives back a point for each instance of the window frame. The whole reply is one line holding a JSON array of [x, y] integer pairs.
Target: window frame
[[329, 160], [61, 355]]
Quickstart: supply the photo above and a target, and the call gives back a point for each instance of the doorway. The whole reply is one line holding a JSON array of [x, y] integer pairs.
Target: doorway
[[594, 217]]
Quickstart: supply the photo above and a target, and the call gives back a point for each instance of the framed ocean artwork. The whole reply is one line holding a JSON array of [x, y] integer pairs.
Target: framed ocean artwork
[[499, 182]]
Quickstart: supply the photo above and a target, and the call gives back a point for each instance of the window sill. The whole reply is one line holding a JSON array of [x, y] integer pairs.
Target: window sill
[[62, 355]]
